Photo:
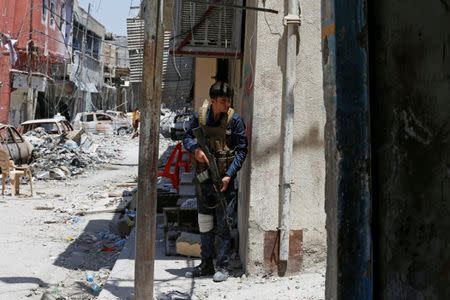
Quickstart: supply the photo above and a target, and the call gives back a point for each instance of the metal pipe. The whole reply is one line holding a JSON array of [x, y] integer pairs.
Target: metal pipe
[[291, 22]]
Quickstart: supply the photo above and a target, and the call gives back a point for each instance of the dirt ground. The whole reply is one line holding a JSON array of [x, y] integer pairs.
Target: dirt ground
[[50, 241]]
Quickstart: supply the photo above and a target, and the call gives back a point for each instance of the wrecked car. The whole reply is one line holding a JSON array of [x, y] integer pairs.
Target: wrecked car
[[100, 122], [15, 144], [51, 126], [117, 114], [56, 126]]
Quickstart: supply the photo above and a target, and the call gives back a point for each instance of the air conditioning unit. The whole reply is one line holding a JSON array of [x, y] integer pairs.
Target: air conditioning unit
[[207, 28]]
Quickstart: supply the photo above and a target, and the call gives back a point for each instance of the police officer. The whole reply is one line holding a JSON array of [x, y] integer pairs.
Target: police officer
[[225, 135]]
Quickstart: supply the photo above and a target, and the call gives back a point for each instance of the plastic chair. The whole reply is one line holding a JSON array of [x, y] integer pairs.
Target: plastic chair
[[9, 169]]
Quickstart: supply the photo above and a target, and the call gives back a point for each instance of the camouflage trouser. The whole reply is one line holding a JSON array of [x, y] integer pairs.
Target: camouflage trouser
[[221, 228]]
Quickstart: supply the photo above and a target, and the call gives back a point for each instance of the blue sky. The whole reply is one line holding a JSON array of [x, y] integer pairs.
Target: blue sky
[[112, 13]]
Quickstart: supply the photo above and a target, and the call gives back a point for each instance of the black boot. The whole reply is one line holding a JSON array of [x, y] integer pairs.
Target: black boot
[[205, 268]]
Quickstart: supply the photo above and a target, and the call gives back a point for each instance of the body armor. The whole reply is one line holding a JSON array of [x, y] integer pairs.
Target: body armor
[[218, 139]]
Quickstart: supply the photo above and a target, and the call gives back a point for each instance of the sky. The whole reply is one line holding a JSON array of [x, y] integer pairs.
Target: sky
[[112, 13]]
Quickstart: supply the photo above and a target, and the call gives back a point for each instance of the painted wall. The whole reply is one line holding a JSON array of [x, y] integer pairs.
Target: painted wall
[[205, 69], [6, 26], [411, 130], [50, 34], [347, 134], [261, 108]]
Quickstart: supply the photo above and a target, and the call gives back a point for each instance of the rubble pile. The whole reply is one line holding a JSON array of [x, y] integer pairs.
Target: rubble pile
[[55, 157]]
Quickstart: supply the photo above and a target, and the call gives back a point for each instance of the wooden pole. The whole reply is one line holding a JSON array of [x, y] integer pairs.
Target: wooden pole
[[150, 107]]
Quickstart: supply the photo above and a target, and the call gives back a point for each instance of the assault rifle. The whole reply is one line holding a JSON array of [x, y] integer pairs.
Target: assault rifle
[[212, 172]]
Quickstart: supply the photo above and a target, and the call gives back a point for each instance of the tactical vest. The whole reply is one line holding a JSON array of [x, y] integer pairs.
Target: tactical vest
[[218, 139]]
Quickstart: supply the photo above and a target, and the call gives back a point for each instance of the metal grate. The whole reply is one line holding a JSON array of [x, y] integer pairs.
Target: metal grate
[[201, 27]]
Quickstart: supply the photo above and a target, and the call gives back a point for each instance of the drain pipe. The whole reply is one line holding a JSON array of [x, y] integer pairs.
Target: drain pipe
[[291, 22]]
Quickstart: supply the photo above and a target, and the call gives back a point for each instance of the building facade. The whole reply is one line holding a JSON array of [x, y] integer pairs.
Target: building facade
[[246, 47], [87, 71], [39, 35]]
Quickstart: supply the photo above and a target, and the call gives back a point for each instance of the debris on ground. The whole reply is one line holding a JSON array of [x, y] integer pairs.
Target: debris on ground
[[55, 157], [173, 295]]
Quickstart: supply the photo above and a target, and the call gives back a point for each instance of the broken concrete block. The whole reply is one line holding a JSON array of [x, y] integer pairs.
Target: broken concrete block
[[66, 170], [57, 173], [43, 175], [188, 244]]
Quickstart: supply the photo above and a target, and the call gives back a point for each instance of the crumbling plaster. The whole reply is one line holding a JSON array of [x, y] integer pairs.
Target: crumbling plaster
[[263, 166]]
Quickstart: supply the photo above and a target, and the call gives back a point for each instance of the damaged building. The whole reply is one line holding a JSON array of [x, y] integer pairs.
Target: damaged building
[[58, 64], [34, 61]]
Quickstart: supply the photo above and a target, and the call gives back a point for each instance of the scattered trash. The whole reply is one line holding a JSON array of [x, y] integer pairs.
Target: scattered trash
[[50, 222], [44, 208], [69, 238], [120, 243], [107, 249], [71, 145], [89, 277], [173, 295], [110, 242], [90, 280], [75, 220]]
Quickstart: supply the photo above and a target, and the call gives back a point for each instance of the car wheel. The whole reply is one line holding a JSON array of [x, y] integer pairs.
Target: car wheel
[[122, 131]]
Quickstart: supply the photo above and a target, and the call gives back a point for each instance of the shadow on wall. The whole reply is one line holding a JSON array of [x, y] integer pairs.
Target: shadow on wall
[[312, 140]]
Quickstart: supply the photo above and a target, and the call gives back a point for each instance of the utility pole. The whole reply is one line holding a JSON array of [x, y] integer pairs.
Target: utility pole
[[150, 107], [30, 47]]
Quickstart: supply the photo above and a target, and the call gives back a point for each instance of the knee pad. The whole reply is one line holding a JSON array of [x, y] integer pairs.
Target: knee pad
[[205, 222]]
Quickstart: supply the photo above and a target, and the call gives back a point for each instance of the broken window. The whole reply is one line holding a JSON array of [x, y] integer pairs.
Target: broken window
[[101, 117], [62, 17], [52, 13], [44, 10], [88, 118]]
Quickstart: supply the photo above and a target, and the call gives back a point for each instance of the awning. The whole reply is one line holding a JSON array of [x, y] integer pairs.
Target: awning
[[20, 80]]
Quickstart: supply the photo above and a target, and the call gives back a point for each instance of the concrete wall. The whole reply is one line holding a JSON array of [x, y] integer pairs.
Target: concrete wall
[[411, 129], [261, 109], [205, 68], [17, 107]]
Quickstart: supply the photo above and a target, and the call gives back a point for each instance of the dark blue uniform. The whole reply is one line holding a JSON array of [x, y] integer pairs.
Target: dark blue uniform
[[238, 143]]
